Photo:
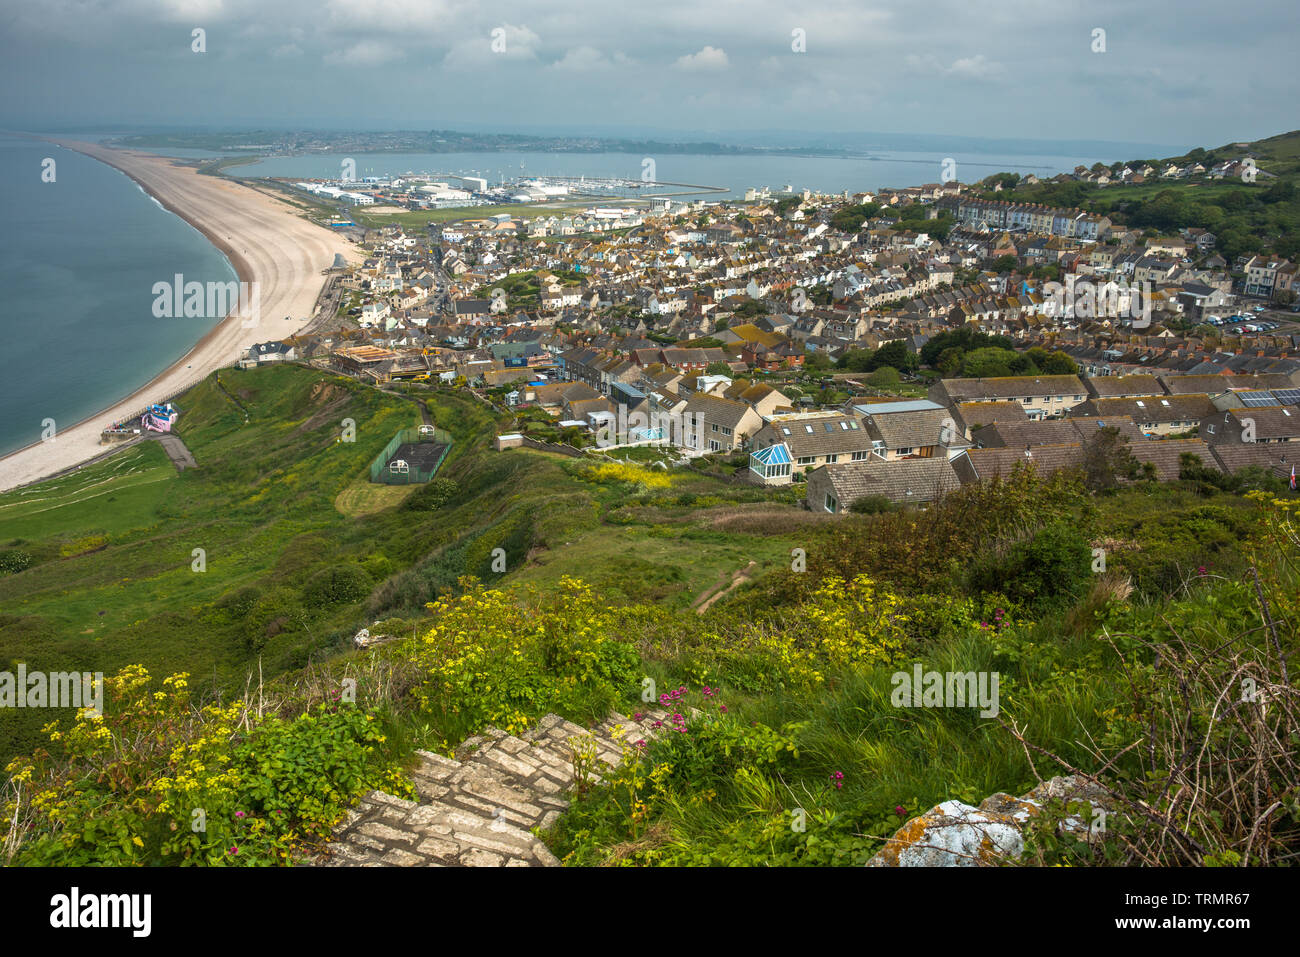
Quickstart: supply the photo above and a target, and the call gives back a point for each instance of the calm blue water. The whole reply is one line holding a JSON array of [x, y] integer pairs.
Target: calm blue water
[[78, 260], [735, 173]]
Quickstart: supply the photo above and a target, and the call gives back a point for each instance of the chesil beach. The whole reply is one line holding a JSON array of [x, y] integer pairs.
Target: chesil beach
[[270, 246]]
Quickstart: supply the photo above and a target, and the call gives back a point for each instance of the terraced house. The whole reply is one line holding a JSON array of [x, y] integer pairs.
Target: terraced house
[[1042, 397], [1154, 415], [1265, 425]]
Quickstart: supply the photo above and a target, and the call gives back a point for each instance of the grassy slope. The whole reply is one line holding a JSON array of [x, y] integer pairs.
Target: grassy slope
[[277, 499]]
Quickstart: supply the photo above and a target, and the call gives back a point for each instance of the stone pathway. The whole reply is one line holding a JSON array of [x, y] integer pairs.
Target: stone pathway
[[481, 809]]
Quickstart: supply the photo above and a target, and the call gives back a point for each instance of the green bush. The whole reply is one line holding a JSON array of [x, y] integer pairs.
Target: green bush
[[14, 560], [1045, 570], [871, 505], [433, 496], [237, 604], [338, 585]]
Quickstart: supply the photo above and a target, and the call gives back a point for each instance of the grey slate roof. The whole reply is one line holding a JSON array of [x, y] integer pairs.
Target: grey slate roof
[[903, 481]]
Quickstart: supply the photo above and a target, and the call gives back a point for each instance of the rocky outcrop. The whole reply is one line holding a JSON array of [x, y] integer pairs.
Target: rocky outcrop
[[482, 808], [953, 834], [364, 639]]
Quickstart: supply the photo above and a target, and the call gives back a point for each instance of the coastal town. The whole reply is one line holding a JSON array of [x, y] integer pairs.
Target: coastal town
[[793, 335], [837, 437]]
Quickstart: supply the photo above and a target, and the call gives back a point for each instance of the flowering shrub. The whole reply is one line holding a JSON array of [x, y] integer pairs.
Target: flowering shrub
[[842, 624], [158, 780], [637, 475], [489, 660]]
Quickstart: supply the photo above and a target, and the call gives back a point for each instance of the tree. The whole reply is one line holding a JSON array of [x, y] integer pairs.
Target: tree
[[850, 218], [817, 361], [886, 377], [717, 368], [949, 361], [1052, 363], [987, 363], [1107, 459], [856, 360], [1003, 264], [895, 354], [966, 338]]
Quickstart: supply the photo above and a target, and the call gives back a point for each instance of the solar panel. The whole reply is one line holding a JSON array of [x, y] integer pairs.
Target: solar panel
[[1254, 400], [1287, 396]]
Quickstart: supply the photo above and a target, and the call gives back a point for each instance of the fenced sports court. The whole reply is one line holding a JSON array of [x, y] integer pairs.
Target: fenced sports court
[[411, 457]]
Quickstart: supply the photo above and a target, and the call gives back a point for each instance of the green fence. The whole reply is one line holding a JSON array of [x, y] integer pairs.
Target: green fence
[[413, 473]]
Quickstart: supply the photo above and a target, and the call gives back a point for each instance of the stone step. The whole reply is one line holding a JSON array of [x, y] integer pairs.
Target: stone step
[[478, 788], [479, 809], [388, 831], [534, 769], [557, 733]]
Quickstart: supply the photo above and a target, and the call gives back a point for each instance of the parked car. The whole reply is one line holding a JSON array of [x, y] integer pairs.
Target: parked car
[[1259, 308]]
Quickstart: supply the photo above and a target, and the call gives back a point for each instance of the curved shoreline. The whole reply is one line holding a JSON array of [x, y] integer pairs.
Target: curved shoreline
[[237, 262], [78, 443]]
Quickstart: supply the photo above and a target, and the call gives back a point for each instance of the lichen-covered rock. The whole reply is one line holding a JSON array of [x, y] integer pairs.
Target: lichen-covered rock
[[954, 834], [364, 639]]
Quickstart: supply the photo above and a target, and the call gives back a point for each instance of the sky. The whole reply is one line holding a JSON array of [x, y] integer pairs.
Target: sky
[[1194, 72]]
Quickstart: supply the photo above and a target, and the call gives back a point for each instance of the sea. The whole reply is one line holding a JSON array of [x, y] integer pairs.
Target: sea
[[731, 176], [78, 260], [79, 256]]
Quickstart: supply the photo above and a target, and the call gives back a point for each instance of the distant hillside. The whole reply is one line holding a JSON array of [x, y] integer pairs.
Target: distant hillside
[[1258, 217]]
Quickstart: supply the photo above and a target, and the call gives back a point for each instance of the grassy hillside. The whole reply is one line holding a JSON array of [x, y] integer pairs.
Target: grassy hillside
[[616, 572], [301, 549]]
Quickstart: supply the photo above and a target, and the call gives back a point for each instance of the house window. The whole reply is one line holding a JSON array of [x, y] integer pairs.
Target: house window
[[1026, 400], [714, 446], [860, 456], [906, 451], [807, 459], [715, 427], [831, 504], [832, 459]]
